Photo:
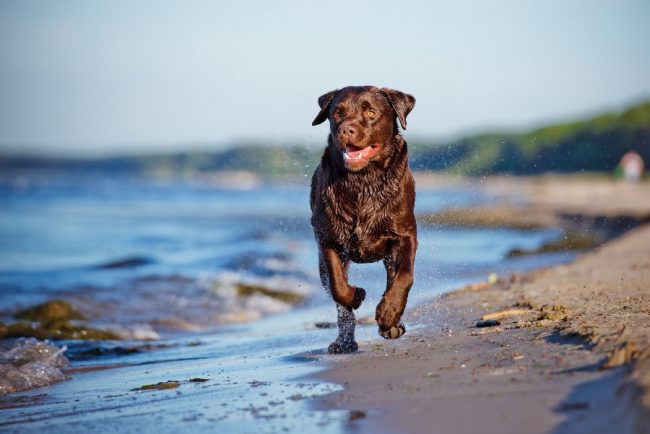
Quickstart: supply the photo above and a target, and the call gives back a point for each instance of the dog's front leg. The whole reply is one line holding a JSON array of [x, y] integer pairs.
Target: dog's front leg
[[333, 272], [334, 275], [399, 271]]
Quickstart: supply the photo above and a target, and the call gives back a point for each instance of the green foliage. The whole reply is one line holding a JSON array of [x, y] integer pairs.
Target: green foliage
[[261, 159], [596, 144]]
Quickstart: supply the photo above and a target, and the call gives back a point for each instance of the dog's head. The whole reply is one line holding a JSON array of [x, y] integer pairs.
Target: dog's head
[[363, 121]]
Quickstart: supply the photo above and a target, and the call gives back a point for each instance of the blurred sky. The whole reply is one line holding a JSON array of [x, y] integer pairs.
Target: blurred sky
[[104, 77]]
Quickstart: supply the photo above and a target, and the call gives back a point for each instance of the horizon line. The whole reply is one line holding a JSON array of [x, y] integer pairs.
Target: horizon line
[[35, 150]]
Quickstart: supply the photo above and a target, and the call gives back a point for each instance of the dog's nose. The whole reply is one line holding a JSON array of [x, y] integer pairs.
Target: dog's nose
[[347, 130]]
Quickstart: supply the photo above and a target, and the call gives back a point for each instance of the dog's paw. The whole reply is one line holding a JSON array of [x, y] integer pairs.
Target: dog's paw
[[387, 315], [338, 347], [394, 332], [359, 296]]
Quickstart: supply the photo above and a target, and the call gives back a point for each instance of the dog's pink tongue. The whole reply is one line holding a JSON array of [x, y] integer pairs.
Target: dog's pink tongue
[[353, 151]]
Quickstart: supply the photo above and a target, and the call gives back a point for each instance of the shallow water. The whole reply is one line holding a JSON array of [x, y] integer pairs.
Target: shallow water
[[64, 236]]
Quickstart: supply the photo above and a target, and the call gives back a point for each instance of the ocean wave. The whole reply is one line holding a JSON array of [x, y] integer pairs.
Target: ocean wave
[[245, 297]]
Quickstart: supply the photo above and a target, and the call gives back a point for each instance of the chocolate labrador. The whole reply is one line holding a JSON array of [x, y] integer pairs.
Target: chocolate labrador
[[362, 197]]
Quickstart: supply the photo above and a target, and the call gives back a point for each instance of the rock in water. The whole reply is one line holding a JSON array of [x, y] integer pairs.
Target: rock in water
[[30, 363], [50, 311]]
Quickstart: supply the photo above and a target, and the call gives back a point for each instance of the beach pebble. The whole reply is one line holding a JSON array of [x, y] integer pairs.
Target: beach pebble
[[488, 323], [356, 414]]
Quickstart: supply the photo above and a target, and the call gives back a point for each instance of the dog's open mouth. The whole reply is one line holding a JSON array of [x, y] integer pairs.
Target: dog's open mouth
[[355, 153]]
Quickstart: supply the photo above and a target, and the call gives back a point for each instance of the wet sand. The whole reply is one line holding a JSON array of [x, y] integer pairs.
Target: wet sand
[[571, 355]]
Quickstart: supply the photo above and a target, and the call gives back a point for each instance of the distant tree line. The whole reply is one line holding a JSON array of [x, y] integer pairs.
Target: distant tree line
[[595, 144]]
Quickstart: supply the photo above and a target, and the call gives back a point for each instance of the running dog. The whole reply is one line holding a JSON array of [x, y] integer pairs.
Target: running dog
[[362, 198]]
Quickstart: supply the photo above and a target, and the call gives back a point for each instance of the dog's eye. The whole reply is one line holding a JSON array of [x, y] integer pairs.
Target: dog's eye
[[338, 113], [371, 113]]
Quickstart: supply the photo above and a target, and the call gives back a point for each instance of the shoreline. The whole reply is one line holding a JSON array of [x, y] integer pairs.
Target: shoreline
[[268, 375], [570, 353]]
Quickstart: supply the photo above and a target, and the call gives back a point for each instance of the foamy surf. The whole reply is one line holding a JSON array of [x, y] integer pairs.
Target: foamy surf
[[247, 297]]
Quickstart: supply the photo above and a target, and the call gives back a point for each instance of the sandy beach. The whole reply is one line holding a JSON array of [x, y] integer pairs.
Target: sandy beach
[[566, 350]]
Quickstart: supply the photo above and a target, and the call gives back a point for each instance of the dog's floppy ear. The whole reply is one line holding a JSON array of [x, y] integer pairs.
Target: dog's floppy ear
[[324, 104], [401, 102]]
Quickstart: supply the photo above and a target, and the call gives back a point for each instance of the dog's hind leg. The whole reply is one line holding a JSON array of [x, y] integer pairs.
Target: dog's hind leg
[[345, 342]]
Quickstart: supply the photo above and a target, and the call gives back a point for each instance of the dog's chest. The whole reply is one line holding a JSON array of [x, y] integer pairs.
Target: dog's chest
[[361, 225]]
